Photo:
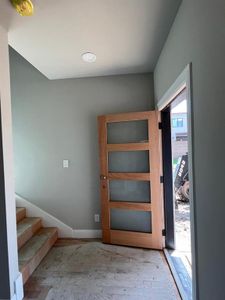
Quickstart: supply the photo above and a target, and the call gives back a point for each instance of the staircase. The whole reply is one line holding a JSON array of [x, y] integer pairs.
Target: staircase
[[34, 242]]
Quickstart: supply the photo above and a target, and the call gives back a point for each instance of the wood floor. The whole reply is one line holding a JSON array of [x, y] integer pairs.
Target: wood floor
[[90, 270]]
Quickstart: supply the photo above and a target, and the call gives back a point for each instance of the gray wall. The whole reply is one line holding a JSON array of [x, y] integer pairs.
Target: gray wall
[[198, 36], [56, 120]]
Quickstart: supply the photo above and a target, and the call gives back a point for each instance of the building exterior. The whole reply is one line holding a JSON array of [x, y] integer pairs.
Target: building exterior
[[179, 126]]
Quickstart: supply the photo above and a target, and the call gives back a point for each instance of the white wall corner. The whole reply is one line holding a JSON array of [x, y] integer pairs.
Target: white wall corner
[[87, 233]]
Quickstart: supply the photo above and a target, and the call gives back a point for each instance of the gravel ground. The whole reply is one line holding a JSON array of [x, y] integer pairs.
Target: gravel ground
[[182, 227]]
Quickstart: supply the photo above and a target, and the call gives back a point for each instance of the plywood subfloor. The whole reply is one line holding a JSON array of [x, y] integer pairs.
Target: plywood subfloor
[[88, 270]]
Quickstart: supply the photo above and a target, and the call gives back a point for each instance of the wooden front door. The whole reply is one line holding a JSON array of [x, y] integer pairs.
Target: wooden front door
[[130, 179]]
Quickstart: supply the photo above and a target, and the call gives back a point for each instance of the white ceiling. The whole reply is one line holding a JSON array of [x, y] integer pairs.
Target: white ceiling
[[126, 35]]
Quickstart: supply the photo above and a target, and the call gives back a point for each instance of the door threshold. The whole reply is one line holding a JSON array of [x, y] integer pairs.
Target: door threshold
[[181, 273]]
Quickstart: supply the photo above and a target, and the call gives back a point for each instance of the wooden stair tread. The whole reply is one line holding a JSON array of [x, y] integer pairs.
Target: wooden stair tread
[[28, 251], [20, 213], [26, 228], [32, 253]]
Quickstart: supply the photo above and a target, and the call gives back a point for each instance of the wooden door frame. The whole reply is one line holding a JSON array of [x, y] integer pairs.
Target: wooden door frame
[[138, 239]]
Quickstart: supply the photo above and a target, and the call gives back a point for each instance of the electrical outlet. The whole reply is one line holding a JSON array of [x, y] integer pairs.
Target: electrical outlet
[[97, 218]]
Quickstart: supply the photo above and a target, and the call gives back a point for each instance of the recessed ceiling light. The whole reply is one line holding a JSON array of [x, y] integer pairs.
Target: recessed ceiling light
[[89, 57]]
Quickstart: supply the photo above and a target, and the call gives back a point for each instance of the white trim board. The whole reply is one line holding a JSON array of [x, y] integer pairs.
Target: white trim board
[[87, 233], [18, 287], [48, 220], [182, 81]]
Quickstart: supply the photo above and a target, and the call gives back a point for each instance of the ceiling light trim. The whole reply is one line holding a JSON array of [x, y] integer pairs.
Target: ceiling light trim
[[89, 57]]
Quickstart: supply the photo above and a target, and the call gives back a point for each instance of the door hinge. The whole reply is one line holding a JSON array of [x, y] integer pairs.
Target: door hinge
[[164, 232], [160, 125], [161, 179]]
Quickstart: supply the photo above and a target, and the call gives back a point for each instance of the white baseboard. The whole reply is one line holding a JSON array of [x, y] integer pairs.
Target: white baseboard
[[87, 233], [48, 220]]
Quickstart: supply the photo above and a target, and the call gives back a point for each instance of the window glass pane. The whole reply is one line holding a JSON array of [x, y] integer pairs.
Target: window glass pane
[[130, 220], [174, 122], [129, 161], [129, 190], [127, 132], [179, 122]]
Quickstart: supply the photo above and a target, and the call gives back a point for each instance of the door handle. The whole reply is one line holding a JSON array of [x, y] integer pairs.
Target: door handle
[[103, 177]]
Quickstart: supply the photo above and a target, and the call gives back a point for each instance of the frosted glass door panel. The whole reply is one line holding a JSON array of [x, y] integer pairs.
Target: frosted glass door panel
[[130, 220], [129, 161], [129, 191], [127, 132]]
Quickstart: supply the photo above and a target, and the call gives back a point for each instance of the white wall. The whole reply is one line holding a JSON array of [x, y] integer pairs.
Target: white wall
[[8, 165], [198, 36]]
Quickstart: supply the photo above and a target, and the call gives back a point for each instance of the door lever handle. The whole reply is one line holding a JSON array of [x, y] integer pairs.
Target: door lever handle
[[103, 177]]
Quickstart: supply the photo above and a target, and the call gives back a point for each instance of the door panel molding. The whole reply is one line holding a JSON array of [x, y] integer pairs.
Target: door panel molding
[[140, 206], [128, 147], [130, 176]]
